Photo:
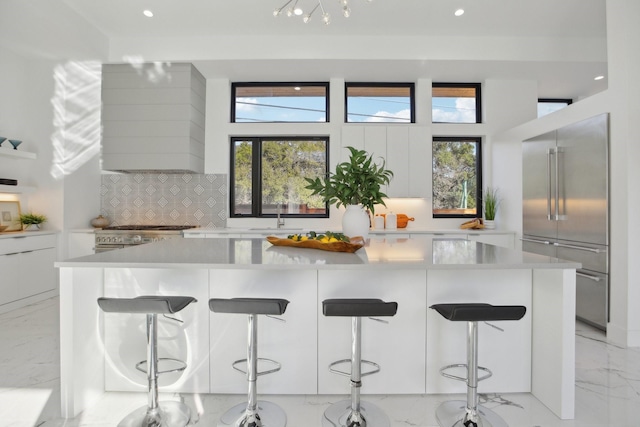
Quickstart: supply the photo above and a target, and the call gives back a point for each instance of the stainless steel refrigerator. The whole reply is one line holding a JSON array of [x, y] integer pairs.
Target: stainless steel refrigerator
[[566, 209]]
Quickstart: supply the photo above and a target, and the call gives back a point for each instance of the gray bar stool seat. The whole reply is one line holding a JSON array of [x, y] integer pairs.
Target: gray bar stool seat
[[155, 414], [458, 413], [353, 412], [253, 413]]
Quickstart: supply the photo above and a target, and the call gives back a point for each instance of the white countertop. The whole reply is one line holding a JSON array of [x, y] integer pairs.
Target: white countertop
[[285, 231], [420, 252]]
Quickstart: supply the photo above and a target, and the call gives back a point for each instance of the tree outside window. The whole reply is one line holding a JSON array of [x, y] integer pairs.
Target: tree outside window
[[269, 174], [457, 177]]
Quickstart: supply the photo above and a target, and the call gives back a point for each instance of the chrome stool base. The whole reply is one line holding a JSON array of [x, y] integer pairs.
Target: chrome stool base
[[267, 415], [336, 415], [453, 413], [168, 414]]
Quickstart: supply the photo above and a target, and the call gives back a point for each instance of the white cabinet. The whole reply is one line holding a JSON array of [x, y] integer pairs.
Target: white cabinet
[[506, 240], [406, 150], [292, 343], [81, 243], [28, 274]]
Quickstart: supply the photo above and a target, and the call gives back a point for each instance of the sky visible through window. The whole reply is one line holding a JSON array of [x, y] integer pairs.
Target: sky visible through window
[[361, 109]]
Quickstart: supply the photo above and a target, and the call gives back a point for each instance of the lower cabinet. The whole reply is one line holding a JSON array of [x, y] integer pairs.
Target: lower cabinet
[[26, 263]]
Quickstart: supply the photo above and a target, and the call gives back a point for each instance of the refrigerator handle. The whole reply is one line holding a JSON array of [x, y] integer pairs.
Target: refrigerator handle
[[544, 242], [580, 248], [588, 276], [558, 216], [549, 153]]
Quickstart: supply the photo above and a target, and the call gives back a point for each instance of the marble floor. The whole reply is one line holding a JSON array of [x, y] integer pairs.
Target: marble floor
[[607, 387]]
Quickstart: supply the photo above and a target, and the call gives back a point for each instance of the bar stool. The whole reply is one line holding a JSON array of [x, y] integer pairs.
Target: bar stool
[[252, 413], [155, 414], [352, 412], [457, 413]]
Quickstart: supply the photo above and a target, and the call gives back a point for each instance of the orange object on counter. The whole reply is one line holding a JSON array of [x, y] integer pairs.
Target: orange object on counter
[[403, 220]]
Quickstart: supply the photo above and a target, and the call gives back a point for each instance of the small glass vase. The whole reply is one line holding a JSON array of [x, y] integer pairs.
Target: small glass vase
[[355, 222]]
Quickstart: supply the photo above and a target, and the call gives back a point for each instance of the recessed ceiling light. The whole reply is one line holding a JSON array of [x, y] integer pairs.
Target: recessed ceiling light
[[459, 12], [147, 13], [598, 78]]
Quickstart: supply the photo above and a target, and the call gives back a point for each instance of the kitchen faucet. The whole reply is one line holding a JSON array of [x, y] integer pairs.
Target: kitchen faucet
[[280, 223]]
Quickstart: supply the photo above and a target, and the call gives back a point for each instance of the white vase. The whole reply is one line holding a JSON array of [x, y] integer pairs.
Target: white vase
[[355, 221], [489, 224], [31, 227]]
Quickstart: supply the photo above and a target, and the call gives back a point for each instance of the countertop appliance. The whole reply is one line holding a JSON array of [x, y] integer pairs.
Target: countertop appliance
[[566, 208], [122, 236]]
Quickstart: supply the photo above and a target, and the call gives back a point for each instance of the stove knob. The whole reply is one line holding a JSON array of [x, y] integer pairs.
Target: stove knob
[[137, 239]]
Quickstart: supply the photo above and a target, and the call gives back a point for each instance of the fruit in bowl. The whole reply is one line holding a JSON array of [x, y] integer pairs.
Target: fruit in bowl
[[3, 227]]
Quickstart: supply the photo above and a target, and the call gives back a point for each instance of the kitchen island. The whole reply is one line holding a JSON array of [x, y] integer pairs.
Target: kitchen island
[[534, 355]]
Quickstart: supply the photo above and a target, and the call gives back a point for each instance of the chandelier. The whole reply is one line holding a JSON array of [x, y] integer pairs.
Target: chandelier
[[291, 8]]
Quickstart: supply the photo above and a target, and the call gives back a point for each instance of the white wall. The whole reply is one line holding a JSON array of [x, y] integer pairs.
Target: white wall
[[36, 39]]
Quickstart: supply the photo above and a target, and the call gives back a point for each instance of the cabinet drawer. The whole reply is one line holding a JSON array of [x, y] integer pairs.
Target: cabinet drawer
[[23, 243]]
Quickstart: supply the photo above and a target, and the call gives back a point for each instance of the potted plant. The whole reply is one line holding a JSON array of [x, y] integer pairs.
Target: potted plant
[[357, 185], [31, 221], [491, 201]]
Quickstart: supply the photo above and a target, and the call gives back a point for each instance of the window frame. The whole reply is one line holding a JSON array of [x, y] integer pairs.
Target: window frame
[[567, 101], [478, 89], [478, 164], [256, 175], [412, 98], [236, 85]]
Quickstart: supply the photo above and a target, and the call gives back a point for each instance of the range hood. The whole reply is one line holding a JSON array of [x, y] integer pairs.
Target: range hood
[[153, 118]]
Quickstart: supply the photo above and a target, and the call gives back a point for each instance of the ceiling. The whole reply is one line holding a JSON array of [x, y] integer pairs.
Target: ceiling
[[513, 19]]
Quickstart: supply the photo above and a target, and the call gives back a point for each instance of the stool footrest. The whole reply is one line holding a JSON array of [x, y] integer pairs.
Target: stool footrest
[[277, 365], [375, 370], [464, 365], [182, 365]]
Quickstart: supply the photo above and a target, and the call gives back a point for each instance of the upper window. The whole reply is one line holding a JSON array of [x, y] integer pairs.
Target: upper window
[[456, 103], [457, 177], [279, 102], [268, 176], [549, 105], [380, 102]]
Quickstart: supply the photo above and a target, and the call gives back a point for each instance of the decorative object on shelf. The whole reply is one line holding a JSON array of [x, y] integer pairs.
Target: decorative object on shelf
[[31, 221], [100, 222], [10, 216], [296, 9], [356, 182], [3, 227], [490, 201], [15, 143], [2, 139]]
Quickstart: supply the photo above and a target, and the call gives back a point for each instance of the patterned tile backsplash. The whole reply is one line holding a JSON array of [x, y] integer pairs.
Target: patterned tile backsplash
[[165, 199]]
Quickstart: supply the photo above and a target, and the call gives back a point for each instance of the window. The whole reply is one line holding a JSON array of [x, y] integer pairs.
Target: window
[[279, 102], [456, 103], [457, 177], [380, 102], [267, 174], [549, 105]]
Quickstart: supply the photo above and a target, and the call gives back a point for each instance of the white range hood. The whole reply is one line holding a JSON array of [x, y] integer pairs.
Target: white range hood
[[153, 117]]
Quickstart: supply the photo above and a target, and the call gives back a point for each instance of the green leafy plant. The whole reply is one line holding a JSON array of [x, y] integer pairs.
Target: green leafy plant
[[31, 218], [491, 202], [356, 182]]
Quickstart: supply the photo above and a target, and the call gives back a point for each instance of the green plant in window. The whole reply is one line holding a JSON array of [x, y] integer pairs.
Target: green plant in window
[[356, 182]]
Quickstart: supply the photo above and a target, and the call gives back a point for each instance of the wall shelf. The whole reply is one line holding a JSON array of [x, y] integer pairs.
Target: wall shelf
[[16, 189], [10, 152]]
